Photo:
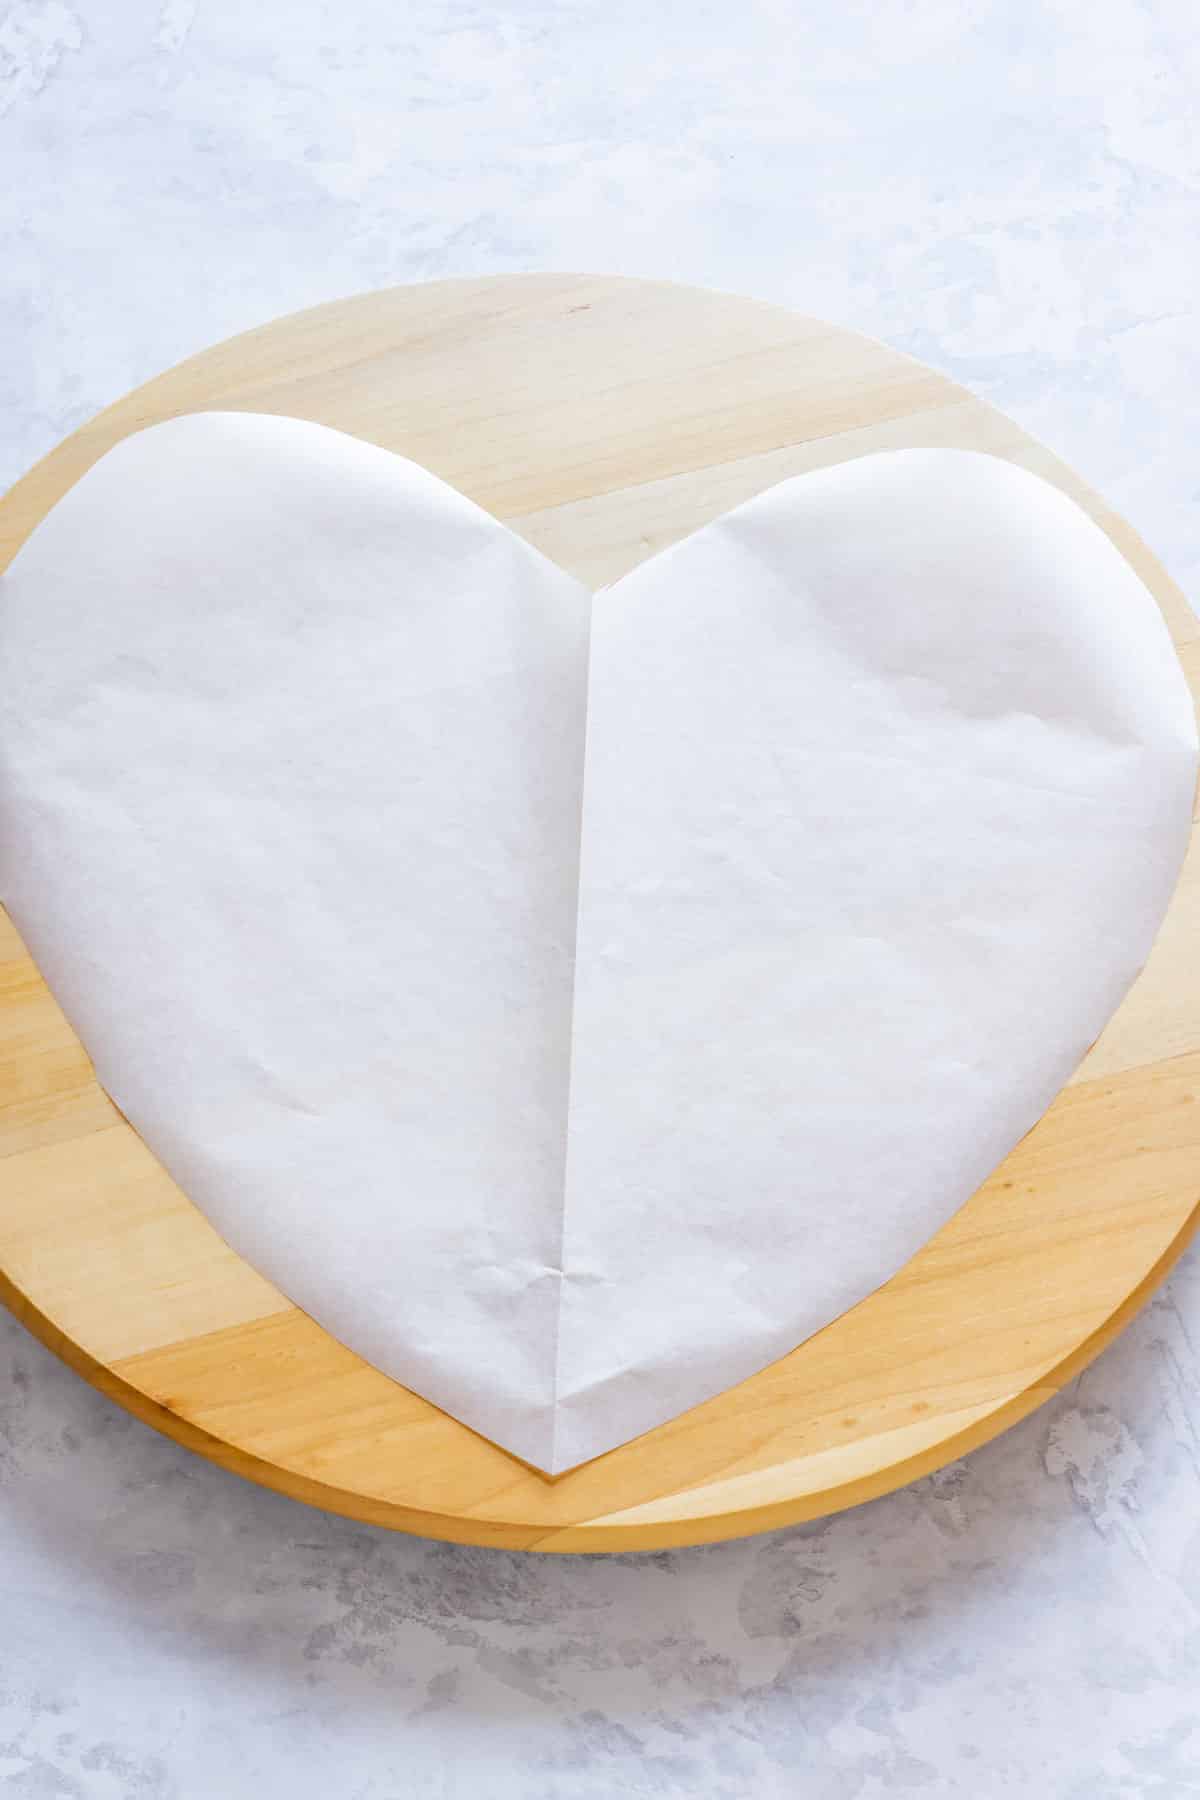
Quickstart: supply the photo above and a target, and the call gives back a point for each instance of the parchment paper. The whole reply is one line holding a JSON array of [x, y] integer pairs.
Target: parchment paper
[[882, 784]]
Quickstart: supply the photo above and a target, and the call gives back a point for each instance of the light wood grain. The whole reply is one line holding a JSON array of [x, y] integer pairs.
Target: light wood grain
[[604, 419]]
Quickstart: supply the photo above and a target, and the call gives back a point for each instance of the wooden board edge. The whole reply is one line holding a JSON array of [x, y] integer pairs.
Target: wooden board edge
[[607, 1536]]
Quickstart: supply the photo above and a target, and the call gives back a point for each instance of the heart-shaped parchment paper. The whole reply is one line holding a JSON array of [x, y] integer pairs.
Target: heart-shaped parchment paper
[[575, 1001]]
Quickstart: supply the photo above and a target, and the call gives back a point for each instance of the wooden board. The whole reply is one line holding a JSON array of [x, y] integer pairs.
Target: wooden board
[[602, 419]]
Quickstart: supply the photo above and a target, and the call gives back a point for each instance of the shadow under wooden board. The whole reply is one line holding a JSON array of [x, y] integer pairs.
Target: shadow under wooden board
[[603, 419]]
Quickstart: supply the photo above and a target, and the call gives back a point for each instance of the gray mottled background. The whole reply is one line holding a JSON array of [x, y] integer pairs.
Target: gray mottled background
[[1008, 188]]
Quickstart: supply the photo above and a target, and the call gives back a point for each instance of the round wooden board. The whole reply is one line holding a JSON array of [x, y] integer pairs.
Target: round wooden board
[[602, 419]]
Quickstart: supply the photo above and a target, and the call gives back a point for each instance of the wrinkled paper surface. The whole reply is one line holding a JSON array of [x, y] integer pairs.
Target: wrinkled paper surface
[[574, 1003]]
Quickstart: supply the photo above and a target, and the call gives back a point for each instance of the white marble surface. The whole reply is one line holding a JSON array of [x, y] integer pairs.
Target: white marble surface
[[1007, 188]]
